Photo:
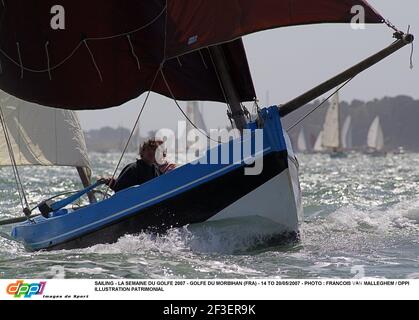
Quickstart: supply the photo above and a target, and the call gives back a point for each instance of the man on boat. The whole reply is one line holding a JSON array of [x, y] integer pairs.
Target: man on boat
[[144, 169]]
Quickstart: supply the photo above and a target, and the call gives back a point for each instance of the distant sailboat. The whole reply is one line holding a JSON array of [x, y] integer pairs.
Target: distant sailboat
[[336, 138], [301, 142], [375, 140], [194, 112], [195, 115], [347, 143], [318, 146]]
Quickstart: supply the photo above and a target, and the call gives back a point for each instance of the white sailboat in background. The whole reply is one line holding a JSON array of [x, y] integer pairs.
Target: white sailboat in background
[[347, 143], [318, 145], [334, 138], [194, 113], [301, 142], [375, 140]]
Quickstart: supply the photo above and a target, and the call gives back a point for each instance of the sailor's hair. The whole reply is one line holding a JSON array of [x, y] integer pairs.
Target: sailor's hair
[[152, 144]]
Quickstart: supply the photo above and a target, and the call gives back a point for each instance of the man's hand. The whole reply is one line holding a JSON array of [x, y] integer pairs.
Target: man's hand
[[110, 182]]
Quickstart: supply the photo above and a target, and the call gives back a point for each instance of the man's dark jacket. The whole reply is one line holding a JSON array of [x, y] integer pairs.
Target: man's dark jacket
[[135, 174]]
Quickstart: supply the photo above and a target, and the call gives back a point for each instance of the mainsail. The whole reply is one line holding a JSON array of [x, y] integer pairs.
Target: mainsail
[[41, 135], [331, 128], [375, 135], [104, 53]]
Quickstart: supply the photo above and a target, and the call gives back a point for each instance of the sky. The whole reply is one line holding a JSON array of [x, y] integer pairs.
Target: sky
[[286, 62]]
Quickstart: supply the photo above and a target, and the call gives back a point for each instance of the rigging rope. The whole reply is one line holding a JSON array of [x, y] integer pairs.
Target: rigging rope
[[411, 51], [411, 56], [170, 90], [392, 26], [133, 129], [399, 32], [148, 93], [19, 184], [183, 112], [314, 109], [133, 52], [20, 59], [48, 60]]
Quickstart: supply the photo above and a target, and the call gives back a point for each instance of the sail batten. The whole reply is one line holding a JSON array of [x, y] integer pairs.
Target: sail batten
[[110, 51]]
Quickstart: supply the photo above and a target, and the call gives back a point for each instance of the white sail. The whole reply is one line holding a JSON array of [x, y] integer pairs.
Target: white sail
[[188, 134], [347, 133], [41, 136], [194, 113], [375, 135], [318, 146], [301, 143], [331, 128]]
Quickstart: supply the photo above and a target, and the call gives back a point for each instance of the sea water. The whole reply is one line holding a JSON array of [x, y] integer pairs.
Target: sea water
[[361, 220]]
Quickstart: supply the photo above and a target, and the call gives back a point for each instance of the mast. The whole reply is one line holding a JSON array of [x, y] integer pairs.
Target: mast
[[295, 104], [229, 88], [86, 181]]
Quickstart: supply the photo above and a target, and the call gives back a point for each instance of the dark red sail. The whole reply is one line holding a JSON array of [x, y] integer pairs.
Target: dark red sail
[[110, 51], [200, 23]]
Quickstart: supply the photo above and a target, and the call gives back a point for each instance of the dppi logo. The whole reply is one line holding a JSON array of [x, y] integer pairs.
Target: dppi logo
[[26, 290]]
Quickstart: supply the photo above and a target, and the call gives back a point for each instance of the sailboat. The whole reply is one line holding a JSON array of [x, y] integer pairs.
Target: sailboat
[[194, 112], [169, 47], [199, 129], [318, 145], [347, 143], [301, 142], [375, 139], [334, 135], [40, 136]]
